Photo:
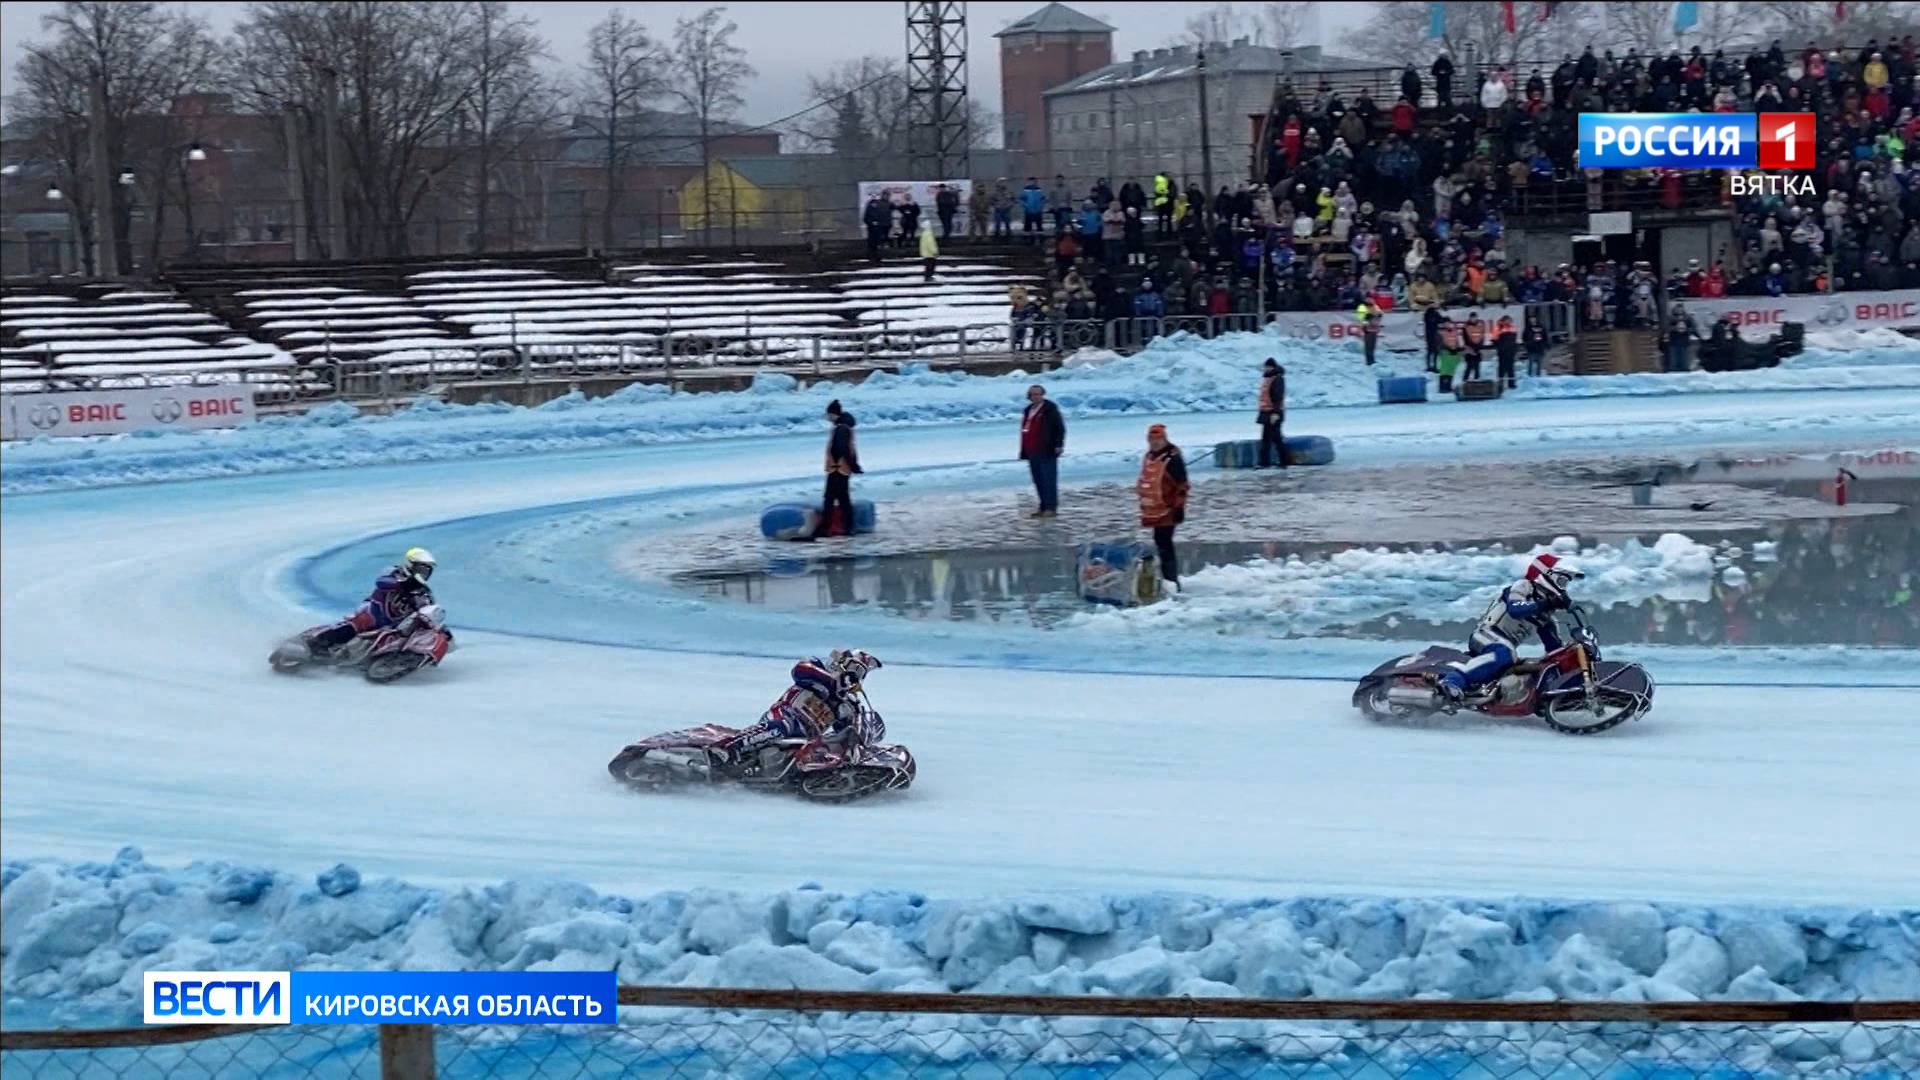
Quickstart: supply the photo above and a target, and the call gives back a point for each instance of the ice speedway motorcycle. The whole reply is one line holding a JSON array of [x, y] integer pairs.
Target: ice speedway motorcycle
[[414, 642], [849, 764], [1571, 689]]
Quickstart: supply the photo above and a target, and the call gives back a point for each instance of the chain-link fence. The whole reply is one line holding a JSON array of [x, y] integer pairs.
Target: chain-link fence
[[712, 1033]]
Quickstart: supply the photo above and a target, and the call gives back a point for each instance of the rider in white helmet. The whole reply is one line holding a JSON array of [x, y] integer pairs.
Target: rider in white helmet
[[823, 700], [1526, 605], [398, 593]]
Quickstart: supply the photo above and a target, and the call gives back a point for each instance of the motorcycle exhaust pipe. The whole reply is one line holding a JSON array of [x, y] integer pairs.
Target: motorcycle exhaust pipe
[[1421, 698]]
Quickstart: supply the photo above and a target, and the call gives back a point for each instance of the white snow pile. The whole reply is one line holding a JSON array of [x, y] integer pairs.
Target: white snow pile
[[1178, 374], [1296, 596], [1844, 341], [77, 938]]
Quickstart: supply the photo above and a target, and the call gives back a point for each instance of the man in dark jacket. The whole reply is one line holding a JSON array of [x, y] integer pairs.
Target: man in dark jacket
[[878, 218], [843, 461], [946, 203], [1043, 436]]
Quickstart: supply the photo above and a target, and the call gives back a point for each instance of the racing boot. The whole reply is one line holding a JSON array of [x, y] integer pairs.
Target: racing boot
[[1449, 693]]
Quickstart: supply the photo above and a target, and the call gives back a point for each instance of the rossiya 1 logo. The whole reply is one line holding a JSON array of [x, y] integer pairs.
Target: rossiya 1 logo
[[1705, 141]]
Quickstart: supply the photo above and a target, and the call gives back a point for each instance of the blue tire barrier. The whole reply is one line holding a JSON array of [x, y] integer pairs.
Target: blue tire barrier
[[1124, 573], [797, 521], [1238, 454], [1309, 450], [788, 521], [1402, 389]]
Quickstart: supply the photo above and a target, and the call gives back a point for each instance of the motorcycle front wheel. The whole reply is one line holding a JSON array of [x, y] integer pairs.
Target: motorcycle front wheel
[[846, 785], [1570, 714]]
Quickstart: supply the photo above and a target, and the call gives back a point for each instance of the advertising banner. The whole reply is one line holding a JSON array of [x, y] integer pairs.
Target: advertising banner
[[116, 412], [924, 193]]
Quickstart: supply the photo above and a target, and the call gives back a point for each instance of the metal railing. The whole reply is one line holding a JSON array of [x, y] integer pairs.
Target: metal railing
[[704, 1032]]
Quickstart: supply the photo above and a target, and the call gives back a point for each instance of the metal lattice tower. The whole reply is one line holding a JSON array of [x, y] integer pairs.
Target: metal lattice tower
[[937, 90]]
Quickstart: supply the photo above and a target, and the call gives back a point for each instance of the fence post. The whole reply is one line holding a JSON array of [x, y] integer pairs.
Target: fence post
[[816, 355], [406, 1052]]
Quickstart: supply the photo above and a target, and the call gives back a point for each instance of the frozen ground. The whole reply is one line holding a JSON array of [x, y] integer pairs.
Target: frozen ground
[[136, 707]]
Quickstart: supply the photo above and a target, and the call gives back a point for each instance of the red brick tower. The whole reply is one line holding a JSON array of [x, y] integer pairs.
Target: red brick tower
[[1038, 53]]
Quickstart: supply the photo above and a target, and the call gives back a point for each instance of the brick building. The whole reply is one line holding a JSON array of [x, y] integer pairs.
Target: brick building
[[1049, 47]]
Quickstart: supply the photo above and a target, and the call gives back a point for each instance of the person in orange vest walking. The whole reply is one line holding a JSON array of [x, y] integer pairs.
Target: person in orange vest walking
[[1163, 497], [1273, 414]]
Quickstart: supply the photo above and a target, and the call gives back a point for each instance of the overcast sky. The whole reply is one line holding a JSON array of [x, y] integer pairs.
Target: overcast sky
[[787, 41]]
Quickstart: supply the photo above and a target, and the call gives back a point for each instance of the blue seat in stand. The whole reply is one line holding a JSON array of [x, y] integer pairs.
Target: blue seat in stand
[[1402, 389], [796, 521]]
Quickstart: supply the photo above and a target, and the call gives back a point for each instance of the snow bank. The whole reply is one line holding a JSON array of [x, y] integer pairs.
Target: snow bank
[[82, 934], [1292, 596], [1177, 374]]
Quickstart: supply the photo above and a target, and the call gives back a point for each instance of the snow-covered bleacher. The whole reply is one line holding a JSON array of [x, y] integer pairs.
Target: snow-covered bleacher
[[53, 340], [389, 326]]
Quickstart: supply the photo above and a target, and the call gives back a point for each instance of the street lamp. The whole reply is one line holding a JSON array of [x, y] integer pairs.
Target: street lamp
[[194, 153], [54, 194], [126, 177]]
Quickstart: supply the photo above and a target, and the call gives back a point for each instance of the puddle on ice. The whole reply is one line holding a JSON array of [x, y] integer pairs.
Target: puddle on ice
[[1803, 580]]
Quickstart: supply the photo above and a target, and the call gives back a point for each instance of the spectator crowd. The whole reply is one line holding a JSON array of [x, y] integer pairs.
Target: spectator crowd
[[1407, 206]]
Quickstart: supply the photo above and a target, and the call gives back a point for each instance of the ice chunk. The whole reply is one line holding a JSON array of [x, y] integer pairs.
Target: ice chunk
[[339, 881], [1141, 972], [1696, 962], [867, 948], [1583, 970], [1633, 933], [1768, 943], [146, 938], [241, 885], [1073, 914]]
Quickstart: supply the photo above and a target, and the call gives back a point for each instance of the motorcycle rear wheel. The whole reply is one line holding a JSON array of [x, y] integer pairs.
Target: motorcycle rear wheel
[[846, 785], [1376, 706], [387, 667], [1569, 715]]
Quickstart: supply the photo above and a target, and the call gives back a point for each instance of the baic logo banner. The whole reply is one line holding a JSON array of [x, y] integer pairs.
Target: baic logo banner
[[380, 997], [117, 412]]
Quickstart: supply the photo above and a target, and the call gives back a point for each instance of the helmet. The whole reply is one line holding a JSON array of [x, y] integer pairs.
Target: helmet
[[1550, 575], [852, 665], [418, 563]]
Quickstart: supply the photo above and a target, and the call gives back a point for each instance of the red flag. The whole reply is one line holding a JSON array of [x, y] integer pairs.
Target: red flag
[[1506, 15]]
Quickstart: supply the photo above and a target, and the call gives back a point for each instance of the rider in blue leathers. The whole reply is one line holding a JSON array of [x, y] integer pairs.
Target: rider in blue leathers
[[398, 593], [823, 700], [1524, 606]]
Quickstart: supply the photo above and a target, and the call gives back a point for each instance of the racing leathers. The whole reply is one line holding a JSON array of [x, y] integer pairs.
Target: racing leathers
[[1522, 607], [396, 595], [821, 701]]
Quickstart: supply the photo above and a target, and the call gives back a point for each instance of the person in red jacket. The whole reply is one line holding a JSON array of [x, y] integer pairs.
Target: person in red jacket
[[1403, 117], [1043, 437], [1290, 142], [1162, 488]]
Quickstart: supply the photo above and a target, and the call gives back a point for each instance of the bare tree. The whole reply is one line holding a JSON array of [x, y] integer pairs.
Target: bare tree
[[144, 57], [1798, 24], [1650, 27], [864, 110], [512, 103], [1398, 31], [707, 71], [405, 72], [1280, 24], [1220, 23], [623, 75]]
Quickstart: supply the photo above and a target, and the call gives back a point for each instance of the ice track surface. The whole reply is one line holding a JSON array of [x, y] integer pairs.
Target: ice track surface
[[138, 708]]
